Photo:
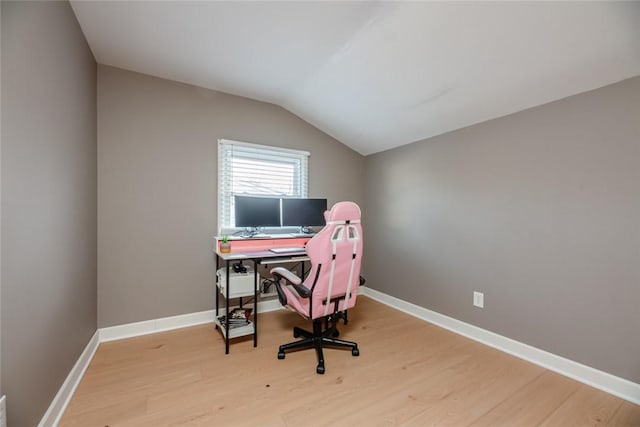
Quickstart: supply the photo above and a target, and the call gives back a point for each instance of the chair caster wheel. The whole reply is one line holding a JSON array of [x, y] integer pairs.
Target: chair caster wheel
[[281, 355], [296, 334], [336, 333], [320, 369], [355, 352]]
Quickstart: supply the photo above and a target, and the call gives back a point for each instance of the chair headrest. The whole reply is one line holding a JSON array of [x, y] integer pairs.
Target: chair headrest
[[343, 211]]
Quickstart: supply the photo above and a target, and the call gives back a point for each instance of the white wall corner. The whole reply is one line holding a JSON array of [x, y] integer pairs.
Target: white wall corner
[[55, 411], [604, 381]]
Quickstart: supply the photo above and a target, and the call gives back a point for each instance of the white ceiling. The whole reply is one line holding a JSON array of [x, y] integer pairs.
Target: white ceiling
[[374, 75]]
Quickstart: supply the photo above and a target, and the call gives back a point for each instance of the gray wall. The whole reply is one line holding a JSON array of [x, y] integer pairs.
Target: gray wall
[[539, 210], [1, 390], [48, 203], [157, 187]]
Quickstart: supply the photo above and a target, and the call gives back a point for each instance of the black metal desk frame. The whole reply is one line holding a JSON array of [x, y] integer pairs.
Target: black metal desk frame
[[257, 257]]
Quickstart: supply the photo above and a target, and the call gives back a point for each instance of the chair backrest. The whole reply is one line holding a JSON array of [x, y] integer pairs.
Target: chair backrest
[[335, 254]]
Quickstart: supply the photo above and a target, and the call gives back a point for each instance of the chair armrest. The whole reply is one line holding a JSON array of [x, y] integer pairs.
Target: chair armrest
[[296, 283], [287, 274]]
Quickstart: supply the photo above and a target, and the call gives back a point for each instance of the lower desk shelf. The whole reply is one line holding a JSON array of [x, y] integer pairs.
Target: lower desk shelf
[[235, 332]]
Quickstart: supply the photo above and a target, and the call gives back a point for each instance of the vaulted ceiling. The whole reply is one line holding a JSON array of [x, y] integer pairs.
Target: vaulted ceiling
[[374, 75]]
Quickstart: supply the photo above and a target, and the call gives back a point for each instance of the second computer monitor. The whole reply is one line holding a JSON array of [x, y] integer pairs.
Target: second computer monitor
[[303, 212]]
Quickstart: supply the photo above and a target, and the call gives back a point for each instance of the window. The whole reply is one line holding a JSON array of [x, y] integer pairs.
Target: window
[[257, 170]]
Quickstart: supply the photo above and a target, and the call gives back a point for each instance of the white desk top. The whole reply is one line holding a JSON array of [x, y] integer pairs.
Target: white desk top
[[268, 236], [260, 254]]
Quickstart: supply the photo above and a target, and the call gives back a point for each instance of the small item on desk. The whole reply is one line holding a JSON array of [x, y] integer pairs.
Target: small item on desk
[[233, 323], [237, 317], [240, 313], [225, 246], [288, 250], [238, 267]]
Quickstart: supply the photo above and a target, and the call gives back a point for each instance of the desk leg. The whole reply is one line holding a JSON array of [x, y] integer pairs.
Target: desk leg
[[255, 302], [217, 288], [226, 314]]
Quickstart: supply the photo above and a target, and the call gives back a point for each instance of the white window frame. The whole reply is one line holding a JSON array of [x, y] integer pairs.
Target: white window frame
[[229, 149]]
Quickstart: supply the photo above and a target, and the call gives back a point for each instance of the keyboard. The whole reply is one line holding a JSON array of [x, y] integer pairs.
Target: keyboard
[[292, 250]]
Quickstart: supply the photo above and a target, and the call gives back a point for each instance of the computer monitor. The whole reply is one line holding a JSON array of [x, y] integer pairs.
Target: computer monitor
[[303, 212], [255, 212]]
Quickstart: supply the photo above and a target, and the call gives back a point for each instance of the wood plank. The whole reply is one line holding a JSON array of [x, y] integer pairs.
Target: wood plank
[[409, 372], [586, 407], [474, 392], [532, 403], [627, 414]]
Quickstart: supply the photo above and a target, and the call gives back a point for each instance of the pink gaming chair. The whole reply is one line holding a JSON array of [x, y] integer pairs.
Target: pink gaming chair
[[331, 286]]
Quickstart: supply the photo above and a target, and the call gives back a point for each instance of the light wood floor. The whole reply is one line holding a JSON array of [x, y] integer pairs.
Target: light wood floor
[[409, 372]]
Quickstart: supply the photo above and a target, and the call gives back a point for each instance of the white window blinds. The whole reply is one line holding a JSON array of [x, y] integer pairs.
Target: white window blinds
[[257, 170]]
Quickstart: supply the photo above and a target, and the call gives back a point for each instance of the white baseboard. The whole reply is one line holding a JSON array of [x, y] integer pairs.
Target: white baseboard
[[146, 327], [612, 384], [59, 404]]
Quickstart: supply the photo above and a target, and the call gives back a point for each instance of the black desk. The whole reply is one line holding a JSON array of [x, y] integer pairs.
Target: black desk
[[258, 257]]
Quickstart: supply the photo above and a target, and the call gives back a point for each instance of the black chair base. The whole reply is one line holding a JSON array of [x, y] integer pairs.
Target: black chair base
[[318, 339]]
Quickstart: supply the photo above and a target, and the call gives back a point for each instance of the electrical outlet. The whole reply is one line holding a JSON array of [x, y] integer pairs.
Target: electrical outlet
[[478, 299], [3, 411]]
